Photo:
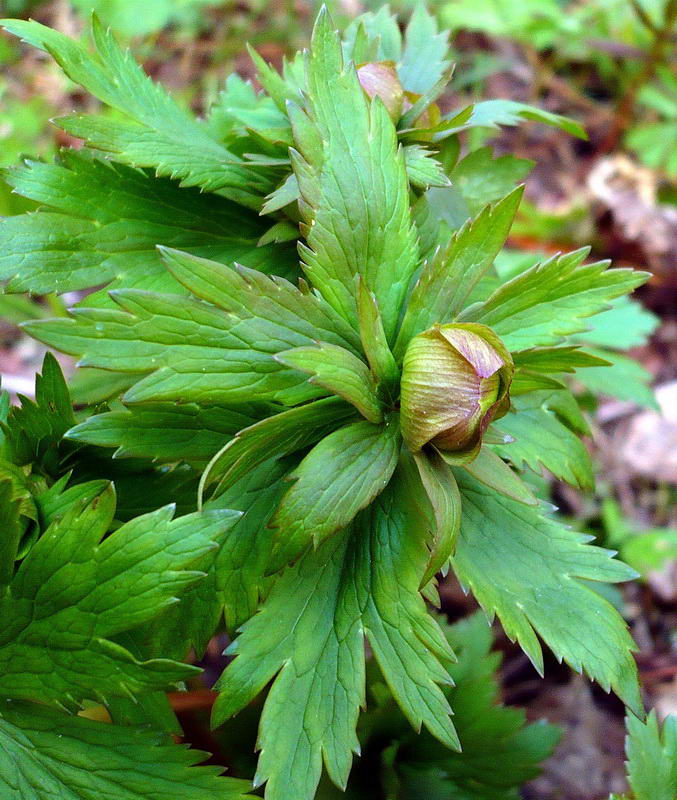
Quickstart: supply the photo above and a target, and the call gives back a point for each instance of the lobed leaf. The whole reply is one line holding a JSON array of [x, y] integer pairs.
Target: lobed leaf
[[103, 222], [528, 570], [361, 582], [71, 594], [341, 373], [154, 132], [449, 276], [49, 756], [339, 477], [545, 429], [354, 189], [544, 304]]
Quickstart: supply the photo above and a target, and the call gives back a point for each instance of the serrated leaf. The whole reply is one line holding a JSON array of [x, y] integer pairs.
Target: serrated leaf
[[423, 170], [493, 113], [500, 751], [157, 132], [567, 358], [354, 189], [49, 756], [545, 429], [71, 595], [529, 573], [167, 432], [287, 192], [251, 295], [104, 221], [240, 110], [361, 582], [448, 278], [382, 31], [278, 435], [652, 757], [544, 304], [339, 477], [425, 55], [34, 430], [235, 580], [54, 502], [339, 371], [192, 352]]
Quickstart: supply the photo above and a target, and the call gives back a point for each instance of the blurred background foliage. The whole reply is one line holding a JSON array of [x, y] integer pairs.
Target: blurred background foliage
[[609, 64]]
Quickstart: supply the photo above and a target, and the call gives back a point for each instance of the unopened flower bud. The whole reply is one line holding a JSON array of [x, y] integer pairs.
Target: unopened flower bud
[[455, 381], [379, 79]]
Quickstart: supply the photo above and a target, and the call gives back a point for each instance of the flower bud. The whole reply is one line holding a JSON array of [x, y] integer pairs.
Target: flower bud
[[379, 79], [455, 381]]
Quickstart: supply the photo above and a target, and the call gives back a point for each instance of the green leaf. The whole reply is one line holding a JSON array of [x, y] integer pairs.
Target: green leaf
[[263, 299], [423, 170], [155, 132], [529, 572], [34, 430], [339, 371], [448, 278], [425, 56], [340, 476], [239, 110], [650, 550], [275, 436], [361, 582], [545, 428], [374, 342], [12, 529], [442, 490], [626, 324], [500, 751], [235, 575], [490, 470], [482, 179], [49, 756], [104, 221], [624, 379], [192, 351], [493, 113], [354, 189], [286, 193], [652, 757], [53, 503], [567, 358], [166, 432], [382, 31], [549, 301], [71, 595]]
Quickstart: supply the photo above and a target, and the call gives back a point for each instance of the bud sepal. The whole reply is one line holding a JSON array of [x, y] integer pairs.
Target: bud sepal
[[455, 382]]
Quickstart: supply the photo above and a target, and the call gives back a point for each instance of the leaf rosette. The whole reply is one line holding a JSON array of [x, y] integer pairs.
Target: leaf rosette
[[357, 405]]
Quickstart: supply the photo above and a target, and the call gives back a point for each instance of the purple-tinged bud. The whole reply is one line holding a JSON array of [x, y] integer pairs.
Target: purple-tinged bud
[[455, 381], [379, 79]]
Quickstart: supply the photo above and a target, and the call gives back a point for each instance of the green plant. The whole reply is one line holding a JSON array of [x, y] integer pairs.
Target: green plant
[[262, 398], [652, 759]]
